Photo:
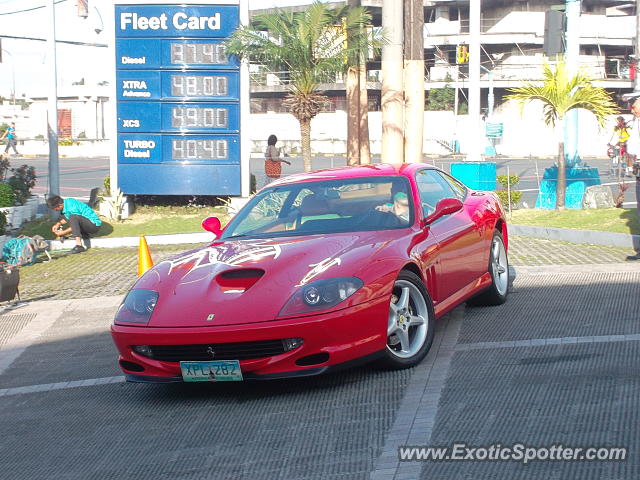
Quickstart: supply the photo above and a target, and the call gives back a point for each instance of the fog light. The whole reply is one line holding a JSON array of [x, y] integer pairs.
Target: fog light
[[144, 350], [291, 343]]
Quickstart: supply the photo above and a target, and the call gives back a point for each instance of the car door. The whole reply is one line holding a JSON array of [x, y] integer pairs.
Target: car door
[[459, 240]]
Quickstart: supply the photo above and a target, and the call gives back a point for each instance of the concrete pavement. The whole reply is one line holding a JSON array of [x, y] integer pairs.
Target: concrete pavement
[[556, 364], [111, 271]]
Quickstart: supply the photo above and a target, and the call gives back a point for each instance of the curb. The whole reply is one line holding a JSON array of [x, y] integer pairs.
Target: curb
[[117, 242], [549, 233], [624, 240]]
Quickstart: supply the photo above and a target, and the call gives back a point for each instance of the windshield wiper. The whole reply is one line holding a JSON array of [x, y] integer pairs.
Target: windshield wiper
[[240, 235]]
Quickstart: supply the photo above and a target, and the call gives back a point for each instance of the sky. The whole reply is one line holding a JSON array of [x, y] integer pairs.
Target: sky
[[24, 63]]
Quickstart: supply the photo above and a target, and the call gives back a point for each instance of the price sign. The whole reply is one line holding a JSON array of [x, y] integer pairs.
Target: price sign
[[178, 97]]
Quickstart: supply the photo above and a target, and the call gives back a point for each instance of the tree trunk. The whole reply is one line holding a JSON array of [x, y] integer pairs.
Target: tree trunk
[[353, 116], [305, 139], [365, 152], [561, 186]]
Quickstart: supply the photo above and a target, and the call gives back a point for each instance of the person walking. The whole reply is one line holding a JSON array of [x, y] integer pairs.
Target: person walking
[[633, 149], [10, 135], [619, 139], [272, 159], [82, 221]]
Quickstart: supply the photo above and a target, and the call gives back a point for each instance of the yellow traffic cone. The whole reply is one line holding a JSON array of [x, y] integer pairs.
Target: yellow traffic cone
[[144, 257]]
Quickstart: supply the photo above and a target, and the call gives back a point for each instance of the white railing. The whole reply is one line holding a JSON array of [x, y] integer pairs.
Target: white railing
[[611, 69], [516, 69]]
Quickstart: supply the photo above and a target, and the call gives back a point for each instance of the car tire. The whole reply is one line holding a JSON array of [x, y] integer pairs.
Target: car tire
[[496, 293], [411, 323]]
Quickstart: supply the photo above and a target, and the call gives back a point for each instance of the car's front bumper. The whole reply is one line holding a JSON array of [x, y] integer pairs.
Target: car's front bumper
[[346, 335]]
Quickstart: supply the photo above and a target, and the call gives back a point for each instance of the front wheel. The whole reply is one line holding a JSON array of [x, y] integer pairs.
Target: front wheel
[[496, 293], [411, 323]]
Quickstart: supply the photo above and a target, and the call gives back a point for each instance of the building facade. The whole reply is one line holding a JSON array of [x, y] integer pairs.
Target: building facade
[[512, 38]]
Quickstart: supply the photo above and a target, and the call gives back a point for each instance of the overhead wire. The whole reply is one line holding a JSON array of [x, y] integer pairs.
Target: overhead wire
[[30, 9]]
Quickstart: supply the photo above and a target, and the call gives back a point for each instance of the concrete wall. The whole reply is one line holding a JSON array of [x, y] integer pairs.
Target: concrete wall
[[524, 134]]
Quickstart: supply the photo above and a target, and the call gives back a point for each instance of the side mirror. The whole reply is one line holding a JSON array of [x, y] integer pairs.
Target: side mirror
[[446, 206], [213, 225]]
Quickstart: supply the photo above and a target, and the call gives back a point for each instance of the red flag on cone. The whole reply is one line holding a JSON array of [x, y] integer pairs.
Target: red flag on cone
[[144, 256]]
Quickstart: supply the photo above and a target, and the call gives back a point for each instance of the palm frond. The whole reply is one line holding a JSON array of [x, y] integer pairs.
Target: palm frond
[[560, 93], [313, 45]]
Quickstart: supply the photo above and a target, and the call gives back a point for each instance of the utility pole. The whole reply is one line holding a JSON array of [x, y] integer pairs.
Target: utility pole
[[474, 148], [52, 111], [475, 172], [572, 59], [392, 77], [636, 50], [413, 80]]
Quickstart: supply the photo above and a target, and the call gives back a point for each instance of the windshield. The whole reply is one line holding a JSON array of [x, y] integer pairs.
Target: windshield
[[328, 206]]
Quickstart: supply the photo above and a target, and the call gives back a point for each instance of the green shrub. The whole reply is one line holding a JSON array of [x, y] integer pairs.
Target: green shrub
[[107, 185], [22, 182], [3, 223], [503, 195], [512, 180], [5, 164], [7, 197], [509, 181]]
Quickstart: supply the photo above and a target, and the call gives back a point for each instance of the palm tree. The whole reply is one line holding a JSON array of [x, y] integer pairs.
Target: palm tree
[[560, 93], [312, 46]]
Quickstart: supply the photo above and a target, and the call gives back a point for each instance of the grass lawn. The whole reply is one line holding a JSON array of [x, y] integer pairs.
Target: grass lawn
[[145, 220], [618, 220]]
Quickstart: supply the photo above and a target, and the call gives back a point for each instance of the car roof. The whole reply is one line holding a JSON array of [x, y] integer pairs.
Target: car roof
[[355, 171]]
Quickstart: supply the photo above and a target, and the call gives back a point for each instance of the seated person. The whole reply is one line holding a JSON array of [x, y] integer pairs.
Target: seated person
[[400, 206]]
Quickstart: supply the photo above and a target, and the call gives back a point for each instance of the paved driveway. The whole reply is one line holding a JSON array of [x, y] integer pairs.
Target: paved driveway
[[557, 364]]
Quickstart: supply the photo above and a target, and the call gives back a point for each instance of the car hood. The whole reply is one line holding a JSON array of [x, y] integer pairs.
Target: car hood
[[249, 281]]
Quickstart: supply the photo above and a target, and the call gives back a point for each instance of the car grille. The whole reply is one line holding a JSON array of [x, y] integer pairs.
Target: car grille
[[221, 351]]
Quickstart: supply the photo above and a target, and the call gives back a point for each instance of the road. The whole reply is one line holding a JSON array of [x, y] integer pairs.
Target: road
[[79, 175]]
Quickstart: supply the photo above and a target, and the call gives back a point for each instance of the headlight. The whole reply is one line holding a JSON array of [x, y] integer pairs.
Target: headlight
[[321, 295], [137, 307]]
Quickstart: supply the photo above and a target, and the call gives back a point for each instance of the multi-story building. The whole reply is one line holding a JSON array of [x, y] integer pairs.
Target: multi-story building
[[512, 37]]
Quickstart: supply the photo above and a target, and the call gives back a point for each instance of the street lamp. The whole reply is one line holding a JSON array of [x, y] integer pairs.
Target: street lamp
[[490, 97], [13, 80], [100, 28]]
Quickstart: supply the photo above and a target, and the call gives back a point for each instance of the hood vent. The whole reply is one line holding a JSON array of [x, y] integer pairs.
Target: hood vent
[[239, 280]]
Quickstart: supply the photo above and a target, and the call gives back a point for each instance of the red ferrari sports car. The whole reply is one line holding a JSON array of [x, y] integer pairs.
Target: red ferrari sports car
[[318, 271]]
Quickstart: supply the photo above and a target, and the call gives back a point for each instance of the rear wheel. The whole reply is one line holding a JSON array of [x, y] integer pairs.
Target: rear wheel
[[410, 326], [496, 293]]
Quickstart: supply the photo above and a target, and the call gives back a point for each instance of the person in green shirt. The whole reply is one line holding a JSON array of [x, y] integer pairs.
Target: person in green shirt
[[82, 221]]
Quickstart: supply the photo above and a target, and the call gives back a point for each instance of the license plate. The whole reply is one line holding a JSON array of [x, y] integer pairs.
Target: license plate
[[211, 371]]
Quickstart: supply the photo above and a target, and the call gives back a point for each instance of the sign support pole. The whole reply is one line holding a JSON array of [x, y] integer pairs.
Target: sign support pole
[[52, 109]]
